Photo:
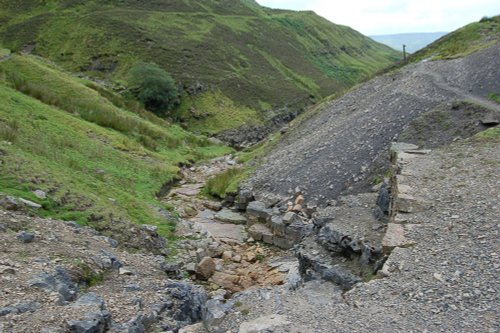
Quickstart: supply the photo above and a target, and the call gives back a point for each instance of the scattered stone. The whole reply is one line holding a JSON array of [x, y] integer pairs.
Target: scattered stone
[[25, 236]]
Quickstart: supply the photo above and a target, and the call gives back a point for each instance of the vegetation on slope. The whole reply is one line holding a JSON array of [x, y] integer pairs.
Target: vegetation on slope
[[258, 58], [99, 162], [464, 41]]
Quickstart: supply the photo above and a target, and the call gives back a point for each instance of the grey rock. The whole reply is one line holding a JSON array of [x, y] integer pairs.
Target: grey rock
[[7, 310], [383, 200], [27, 307], [10, 203], [3, 228], [90, 299], [341, 276], [291, 217], [228, 216], [187, 303], [131, 288], [172, 269], [283, 243], [59, 282], [93, 323], [25, 236], [40, 194], [257, 210], [150, 228], [112, 242], [30, 204], [277, 226], [191, 268], [214, 313], [260, 232], [125, 271], [243, 199], [200, 254]]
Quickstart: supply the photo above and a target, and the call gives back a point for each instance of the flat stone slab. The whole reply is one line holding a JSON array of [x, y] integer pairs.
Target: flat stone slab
[[225, 231], [187, 191], [395, 237], [228, 216]]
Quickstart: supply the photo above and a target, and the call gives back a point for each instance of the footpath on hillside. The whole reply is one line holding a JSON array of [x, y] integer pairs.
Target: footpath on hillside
[[340, 149]]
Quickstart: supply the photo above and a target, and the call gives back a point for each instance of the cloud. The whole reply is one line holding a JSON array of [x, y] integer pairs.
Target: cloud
[[395, 16]]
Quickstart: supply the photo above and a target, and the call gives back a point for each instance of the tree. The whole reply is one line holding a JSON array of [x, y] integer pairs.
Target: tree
[[154, 87]]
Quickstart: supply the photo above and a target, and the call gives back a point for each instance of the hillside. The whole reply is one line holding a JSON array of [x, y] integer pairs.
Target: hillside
[[237, 62], [93, 157], [341, 148], [464, 41], [413, 41]]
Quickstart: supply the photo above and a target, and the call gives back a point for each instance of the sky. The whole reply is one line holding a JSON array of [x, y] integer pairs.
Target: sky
[[378, 17]]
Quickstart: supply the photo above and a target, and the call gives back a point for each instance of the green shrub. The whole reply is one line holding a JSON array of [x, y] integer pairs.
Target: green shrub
[[226, 182], [154, 87]]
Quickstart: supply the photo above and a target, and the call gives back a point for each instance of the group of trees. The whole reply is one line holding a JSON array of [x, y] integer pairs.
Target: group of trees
[[154, 87]]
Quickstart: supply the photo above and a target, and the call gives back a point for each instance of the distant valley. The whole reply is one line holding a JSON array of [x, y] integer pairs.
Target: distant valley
[[413, 41]]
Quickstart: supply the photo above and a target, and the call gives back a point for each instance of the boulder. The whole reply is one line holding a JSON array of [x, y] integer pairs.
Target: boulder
[[257, 210], [206, 268]]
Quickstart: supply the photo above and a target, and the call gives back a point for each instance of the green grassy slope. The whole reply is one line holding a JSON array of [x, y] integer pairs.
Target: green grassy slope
[[258, 58], [99, 161], [464, 41]]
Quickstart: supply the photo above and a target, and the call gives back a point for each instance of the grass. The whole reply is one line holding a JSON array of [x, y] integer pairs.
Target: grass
[[226, 182], [491, 134], [462, 42], [4, 52], [95, 174], [211, 113], [494, 97], [258, 59]]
